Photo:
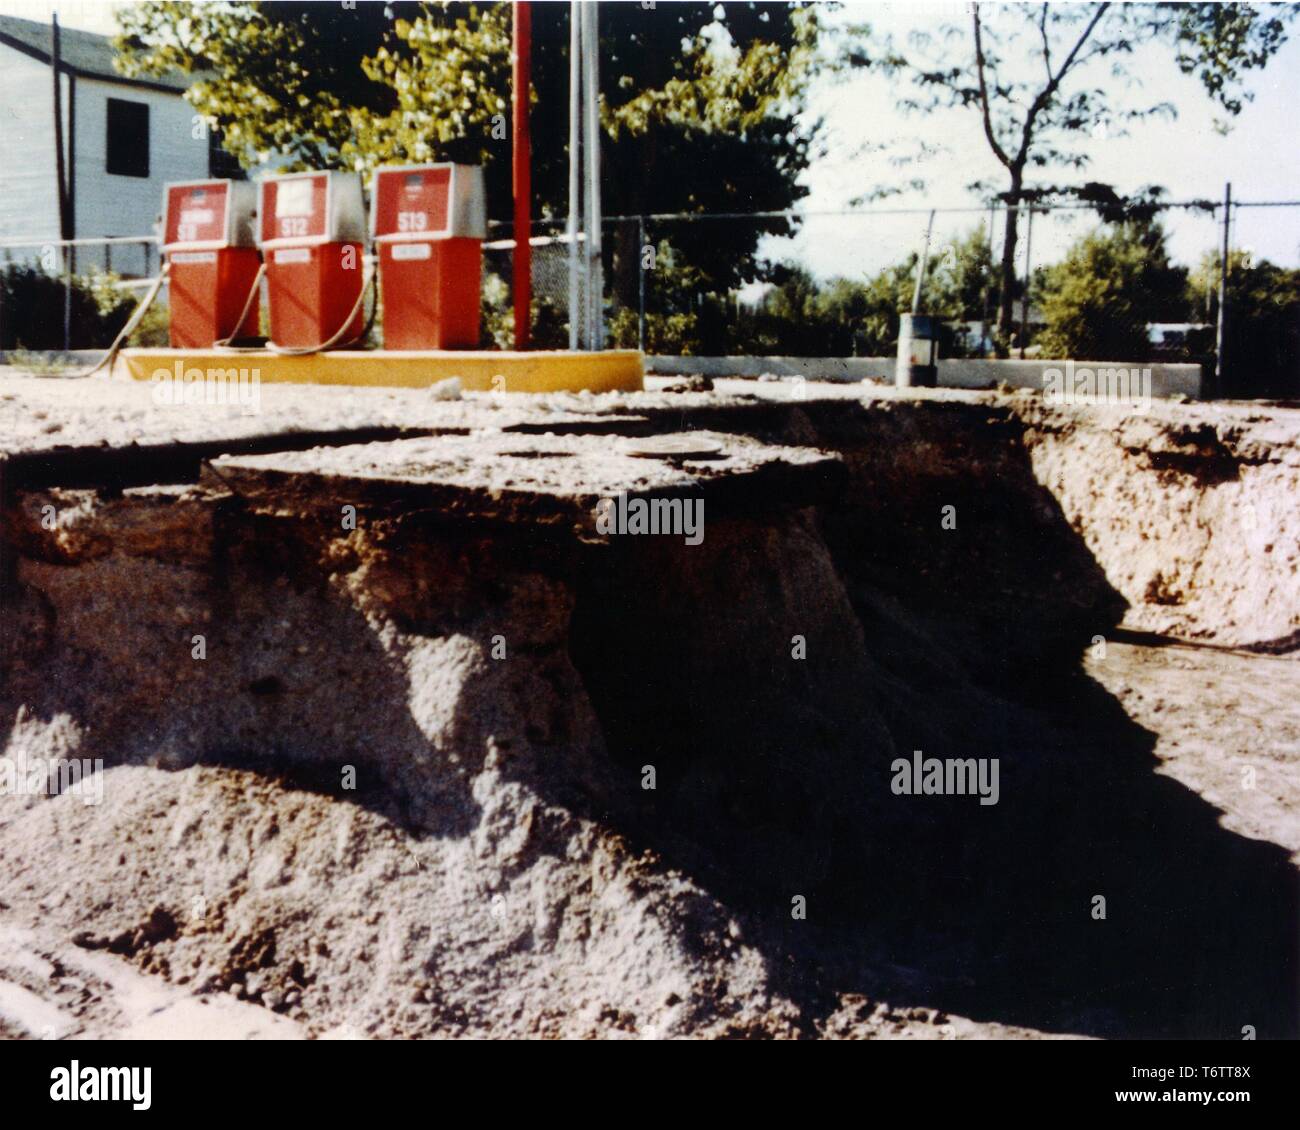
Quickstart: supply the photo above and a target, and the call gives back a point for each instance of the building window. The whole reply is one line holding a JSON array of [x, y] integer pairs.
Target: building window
[[221, 164], [128, 138]]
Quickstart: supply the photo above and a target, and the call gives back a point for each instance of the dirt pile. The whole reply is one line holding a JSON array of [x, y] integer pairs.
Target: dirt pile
[[340, 916]]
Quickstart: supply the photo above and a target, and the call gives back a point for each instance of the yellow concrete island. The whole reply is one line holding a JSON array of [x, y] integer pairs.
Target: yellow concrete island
[[479, 370]]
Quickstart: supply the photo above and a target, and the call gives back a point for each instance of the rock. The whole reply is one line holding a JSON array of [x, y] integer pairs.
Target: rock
[[696, 383], [450, 389]]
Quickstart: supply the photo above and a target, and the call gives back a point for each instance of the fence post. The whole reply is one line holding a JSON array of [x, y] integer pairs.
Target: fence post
[[589, 14], [1029, 274], [1221, 330], [920, 267], [576, 328], [67, 299], [640, 258], [986, 309]]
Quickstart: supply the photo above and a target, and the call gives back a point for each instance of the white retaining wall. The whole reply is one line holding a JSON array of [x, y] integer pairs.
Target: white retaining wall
[[1166, 379]]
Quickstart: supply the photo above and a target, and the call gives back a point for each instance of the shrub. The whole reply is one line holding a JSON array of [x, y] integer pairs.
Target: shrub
[[32, 309]]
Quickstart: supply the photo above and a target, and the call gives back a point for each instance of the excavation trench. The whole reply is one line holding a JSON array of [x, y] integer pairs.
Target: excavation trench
[[397, 738]]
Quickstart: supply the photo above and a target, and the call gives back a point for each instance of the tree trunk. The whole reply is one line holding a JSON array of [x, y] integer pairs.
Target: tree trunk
[[1007, 270]]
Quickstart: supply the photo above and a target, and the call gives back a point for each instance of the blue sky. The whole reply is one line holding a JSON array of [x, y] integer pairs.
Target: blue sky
[[1259, 155]]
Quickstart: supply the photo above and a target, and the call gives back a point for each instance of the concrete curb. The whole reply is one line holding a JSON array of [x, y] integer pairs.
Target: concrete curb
[[1166, 379]]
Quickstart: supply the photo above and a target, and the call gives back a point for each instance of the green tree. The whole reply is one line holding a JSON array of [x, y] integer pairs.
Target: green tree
[[1098, 300], [1042, 79], [280, 80], [701, 104], [842, 317], [960, 281], [860, 317], [1262, 351]]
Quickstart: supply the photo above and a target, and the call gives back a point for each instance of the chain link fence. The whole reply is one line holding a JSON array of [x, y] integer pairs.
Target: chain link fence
[[1075, 284], [1142, 287]]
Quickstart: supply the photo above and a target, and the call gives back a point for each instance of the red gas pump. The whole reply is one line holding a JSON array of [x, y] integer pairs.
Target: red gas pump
[[428, 223], [312, 228], [212, 260]]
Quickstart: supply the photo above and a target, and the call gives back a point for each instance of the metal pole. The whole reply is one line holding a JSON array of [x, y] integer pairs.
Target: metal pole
[[521, 156], [640, 258], [67, 299], [1221, 330], [60, 176], [575, 165], [61, 189], [591, 99], [986, 307], [1029, 274], [920, 267]]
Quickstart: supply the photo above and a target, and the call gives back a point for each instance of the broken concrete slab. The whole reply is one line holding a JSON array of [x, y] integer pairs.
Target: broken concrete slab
[[1147, 490], [116, 468], [529, 479]]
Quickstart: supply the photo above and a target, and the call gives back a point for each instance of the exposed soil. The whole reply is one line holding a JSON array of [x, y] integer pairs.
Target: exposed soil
[[403, 791]]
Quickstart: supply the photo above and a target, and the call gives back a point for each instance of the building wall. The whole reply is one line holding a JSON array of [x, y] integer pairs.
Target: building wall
[[108, 204], [105, 204], [28, 198]]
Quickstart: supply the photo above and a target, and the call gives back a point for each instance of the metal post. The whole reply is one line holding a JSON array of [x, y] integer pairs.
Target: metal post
[[1029, 275], [591, 99], [61, 186], [70, 170], [986, 308], [575, 166], [521, 158], [920, 267], [67, 299], [1221, 329], [640, 258]]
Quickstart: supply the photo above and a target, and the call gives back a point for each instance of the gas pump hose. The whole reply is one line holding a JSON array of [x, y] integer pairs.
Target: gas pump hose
[[224, 343], [368, 273], [142, 307], [151, 295]]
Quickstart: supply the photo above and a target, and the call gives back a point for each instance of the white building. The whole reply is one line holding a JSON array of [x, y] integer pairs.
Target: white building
[[123, 140]]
